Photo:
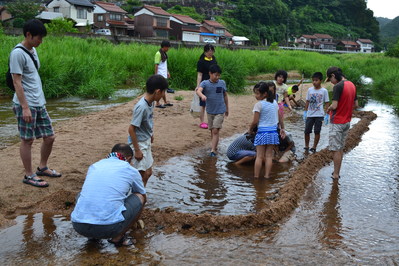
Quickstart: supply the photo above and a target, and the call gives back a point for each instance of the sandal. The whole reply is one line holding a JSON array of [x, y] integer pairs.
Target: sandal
[[125, 241], [312, 150], [203, 125], [160, 106], [168, 104], [31, 180], [42, 172]]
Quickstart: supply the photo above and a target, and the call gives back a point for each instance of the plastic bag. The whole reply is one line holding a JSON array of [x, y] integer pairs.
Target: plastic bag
[[195, 107]]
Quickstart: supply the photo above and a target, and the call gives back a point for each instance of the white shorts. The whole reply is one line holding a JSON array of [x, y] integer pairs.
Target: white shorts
[[147, 161]]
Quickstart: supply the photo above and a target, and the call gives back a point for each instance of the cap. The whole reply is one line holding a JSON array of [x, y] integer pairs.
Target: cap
[[330, 71]]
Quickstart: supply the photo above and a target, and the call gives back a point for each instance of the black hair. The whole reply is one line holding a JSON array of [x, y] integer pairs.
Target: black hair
[[165, 43], [263, 87], [281, 73], [208, 47], [318, 75], [35, 27], [338, 75], [156, 82], [295, 88], [215, 69], [124, 149]]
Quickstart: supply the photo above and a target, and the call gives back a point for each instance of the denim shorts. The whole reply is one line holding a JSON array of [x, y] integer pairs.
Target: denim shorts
[[133, 207], [40, 127], [241, 154]]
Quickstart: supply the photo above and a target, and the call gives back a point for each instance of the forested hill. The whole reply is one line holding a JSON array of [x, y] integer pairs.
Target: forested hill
[[390, 32], [276, 20]]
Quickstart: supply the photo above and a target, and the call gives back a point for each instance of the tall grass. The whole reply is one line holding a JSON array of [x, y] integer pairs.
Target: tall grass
[[94, 67]]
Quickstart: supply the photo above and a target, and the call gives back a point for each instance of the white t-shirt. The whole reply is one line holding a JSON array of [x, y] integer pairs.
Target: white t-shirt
[[162, 66], [316, 99]]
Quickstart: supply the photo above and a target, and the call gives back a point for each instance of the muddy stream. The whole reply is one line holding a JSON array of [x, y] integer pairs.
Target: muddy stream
[[352, 221]]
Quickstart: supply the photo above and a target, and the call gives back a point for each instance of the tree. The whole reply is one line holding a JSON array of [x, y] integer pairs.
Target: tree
[[60, 26], [25, 10]]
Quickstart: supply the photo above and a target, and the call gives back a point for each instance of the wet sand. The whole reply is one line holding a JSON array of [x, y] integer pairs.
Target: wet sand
[[84, 140]]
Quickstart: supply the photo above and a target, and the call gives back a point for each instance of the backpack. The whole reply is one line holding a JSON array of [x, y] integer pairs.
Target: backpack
[[9, 81]]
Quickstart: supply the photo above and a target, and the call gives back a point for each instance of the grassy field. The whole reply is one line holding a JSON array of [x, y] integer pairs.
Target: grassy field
[[95, 67]]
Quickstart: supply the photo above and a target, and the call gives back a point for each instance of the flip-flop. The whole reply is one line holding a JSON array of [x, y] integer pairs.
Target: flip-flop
[[168, 104], [125, 241], [42, 172], [34, 182], [160, 106]]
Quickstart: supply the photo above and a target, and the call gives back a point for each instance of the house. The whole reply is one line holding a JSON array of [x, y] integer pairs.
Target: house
[[348, 46], [110, 16], [185, 28], [305, 41], [81, 11], [47, 17], [240, 40], [213, 30], [366, 45], [4, 14], [152, 21], [324, 41]]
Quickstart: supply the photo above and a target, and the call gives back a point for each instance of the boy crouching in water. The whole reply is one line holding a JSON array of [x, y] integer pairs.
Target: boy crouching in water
[[141, 126], [214, 93]]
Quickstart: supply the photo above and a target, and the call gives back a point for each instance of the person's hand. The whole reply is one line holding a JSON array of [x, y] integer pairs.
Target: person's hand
[[282, 133], [326, 119], [138, 155], [168, 75], [226, 113], [26, 115], [305, 114], [152, 139], [203, 98]]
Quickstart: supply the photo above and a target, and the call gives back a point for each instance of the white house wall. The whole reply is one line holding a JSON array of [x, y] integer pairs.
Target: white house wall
[[191, 36], [70, 11]]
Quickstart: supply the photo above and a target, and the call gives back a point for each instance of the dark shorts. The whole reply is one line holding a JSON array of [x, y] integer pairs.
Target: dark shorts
[[133, 206], [313, 121], [39, 127], [202, 103], [241, 154]]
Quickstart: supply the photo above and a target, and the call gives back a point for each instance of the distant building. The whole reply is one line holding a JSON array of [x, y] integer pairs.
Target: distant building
[[81, 11], [152, 21], [348, 46], [47, 17], [184, 28], [366, 45], [324, 41], [305, 41], [214, 30], [110, 16], [4, 14]]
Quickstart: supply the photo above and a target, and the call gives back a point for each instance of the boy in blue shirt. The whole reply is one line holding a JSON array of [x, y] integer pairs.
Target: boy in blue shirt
[[141, 126], [214, 93]]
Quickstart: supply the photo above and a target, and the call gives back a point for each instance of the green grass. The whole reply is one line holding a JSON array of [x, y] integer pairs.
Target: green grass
[[94, 67]]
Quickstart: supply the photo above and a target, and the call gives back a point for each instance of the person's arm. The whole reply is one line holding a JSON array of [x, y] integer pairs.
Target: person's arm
[[199, 79], [19, 91], [226, 101], [289, 146], [300, 82], [287, 100], [200, 94], [137, 152], [281, 124], [156, 69], [254, 123]]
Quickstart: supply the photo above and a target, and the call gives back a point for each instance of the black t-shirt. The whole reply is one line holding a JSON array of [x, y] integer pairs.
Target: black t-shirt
[[203, 66]]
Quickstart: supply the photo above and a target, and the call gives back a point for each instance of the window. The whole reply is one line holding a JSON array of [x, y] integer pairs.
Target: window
[[100, 18], [57, 9], [82, 13], [162, 22], [220, 31], [114, 16]]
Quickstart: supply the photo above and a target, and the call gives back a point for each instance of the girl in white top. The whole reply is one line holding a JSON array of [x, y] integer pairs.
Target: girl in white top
[[267, 118]]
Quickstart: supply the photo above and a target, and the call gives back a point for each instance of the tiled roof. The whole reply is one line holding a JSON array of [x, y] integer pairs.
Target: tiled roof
[[156, 10], [228, 34], [204, 30], [350, 43], [214, 24], [309, 36], [117, 23], [185, 19], [365, 41], [110, 7], [80, 3], [323, 36]]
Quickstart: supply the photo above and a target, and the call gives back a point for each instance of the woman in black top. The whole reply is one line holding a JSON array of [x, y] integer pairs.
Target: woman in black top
[[205, 61]]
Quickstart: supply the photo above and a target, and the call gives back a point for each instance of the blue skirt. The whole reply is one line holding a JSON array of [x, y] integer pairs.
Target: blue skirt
[[266, 138]]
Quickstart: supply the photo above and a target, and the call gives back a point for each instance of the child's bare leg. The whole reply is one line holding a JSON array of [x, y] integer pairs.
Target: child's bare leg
[[316, 140], [215, 139], [307, 140], [145, 175], [202, 114], [260, 157], [269, 160]]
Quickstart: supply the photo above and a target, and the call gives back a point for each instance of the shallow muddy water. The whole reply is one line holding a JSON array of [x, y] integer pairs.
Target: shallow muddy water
[[58, 109], [353, 221]]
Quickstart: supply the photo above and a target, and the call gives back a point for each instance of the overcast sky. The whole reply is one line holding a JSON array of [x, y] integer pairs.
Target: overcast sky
[[384, 8]]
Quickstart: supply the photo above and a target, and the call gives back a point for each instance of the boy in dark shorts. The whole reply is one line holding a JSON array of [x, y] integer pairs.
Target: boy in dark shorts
[[316, 99]]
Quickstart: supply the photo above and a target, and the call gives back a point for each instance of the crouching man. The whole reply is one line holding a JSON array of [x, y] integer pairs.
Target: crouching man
[[111, 199]]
